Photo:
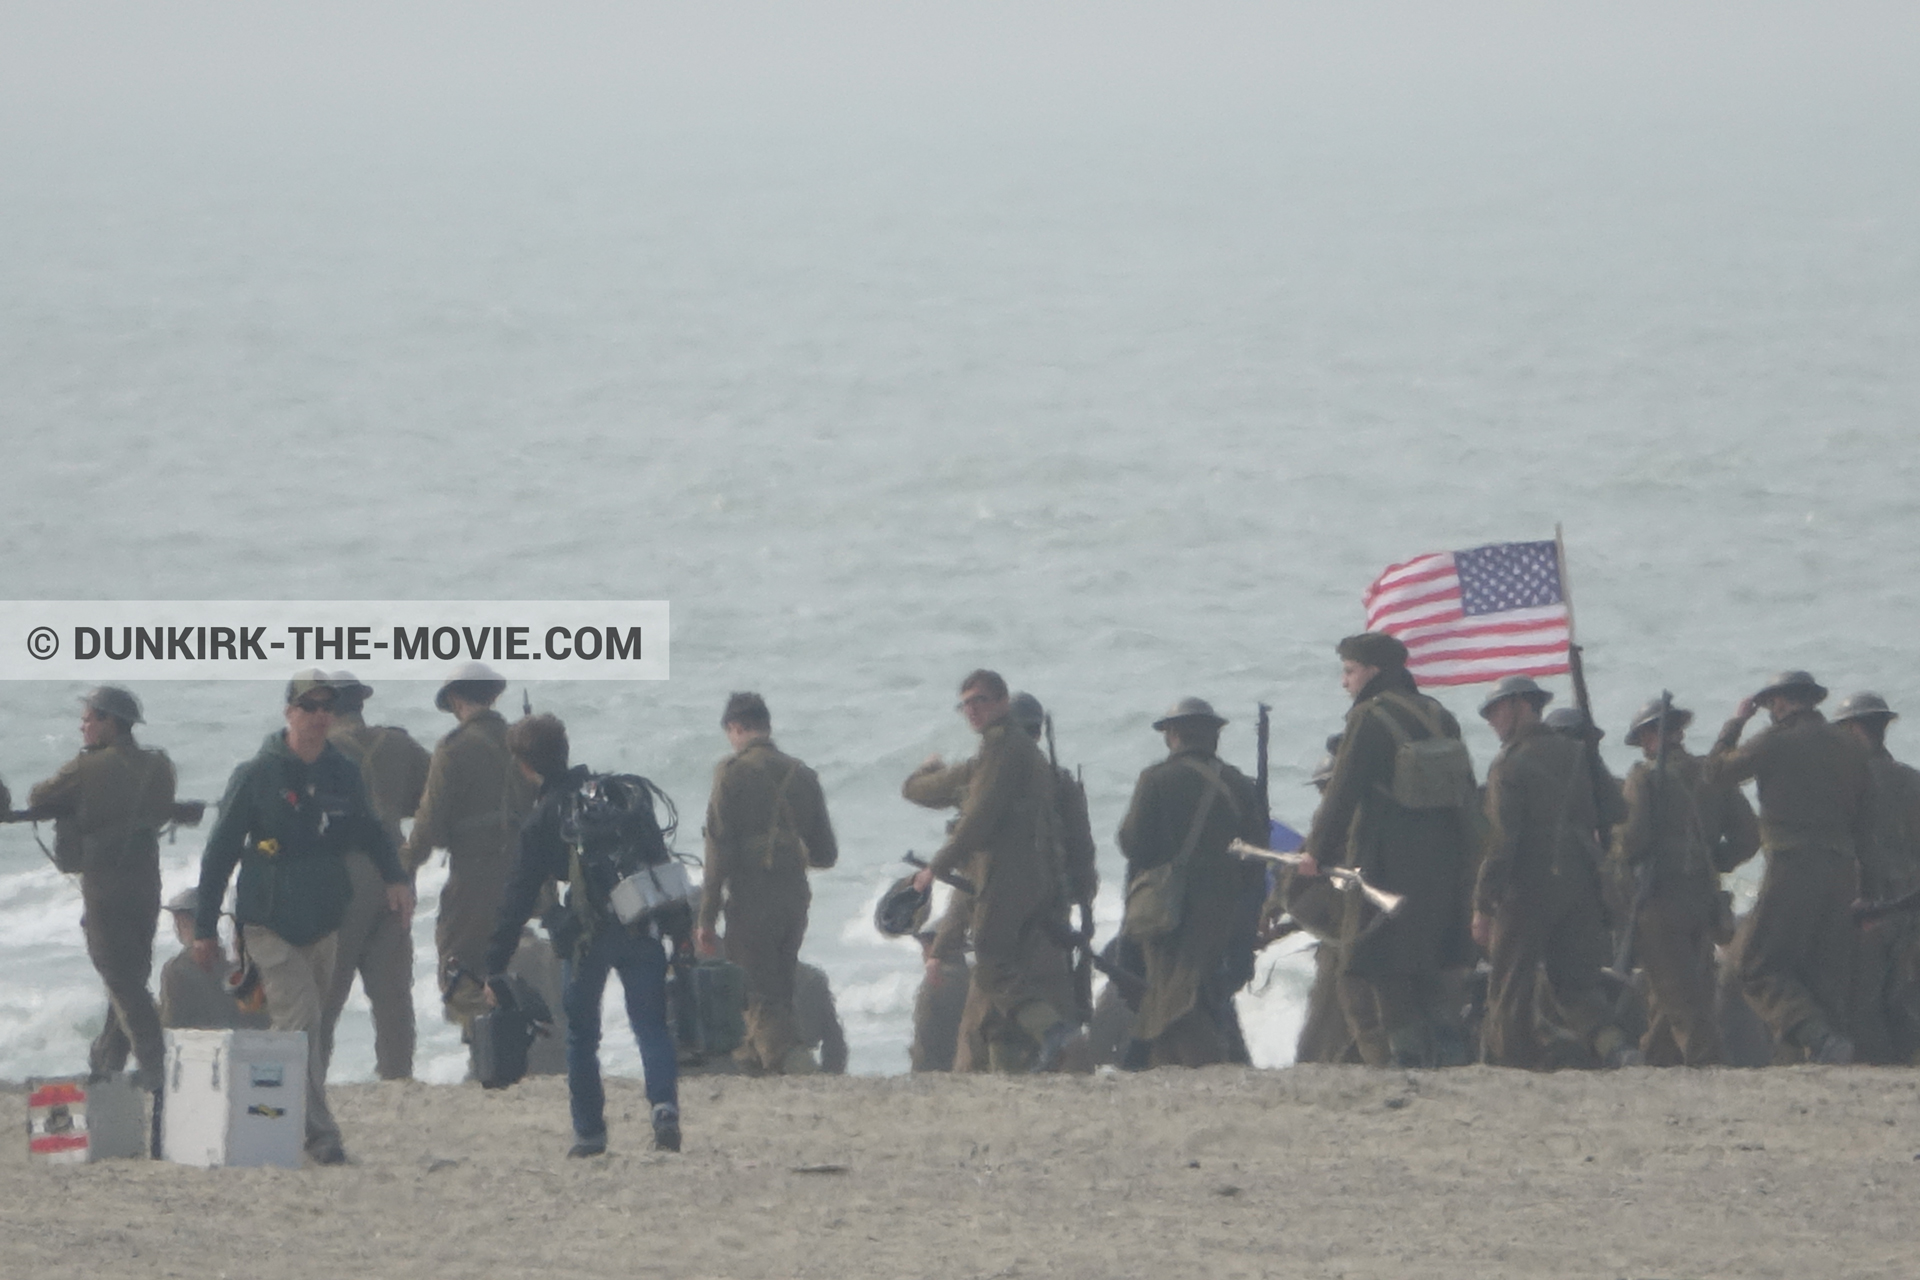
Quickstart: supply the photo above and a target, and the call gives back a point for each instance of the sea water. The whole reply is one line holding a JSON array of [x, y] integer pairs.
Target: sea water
[[1118, 354]]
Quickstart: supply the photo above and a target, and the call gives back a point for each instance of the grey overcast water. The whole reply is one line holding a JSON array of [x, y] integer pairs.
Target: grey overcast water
[[1116, 347]]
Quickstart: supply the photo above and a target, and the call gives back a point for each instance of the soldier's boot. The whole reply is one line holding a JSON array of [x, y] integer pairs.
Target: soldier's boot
[[1411, 1046], [1615, 1050], [1450, 1048], [1052, 1033], [1822, 1043], [799, 1061]]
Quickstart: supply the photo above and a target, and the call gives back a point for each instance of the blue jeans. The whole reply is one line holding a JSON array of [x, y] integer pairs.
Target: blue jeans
[[641, 963]]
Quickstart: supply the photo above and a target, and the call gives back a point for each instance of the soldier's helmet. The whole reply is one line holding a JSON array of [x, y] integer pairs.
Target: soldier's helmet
[[1799, 684], [902, 910], [1864, 706], [1026, 711], [1515, 687], [112, 700], [1571, 722], [1648, 717], [187, 900], [474, 681], [1190, 709]]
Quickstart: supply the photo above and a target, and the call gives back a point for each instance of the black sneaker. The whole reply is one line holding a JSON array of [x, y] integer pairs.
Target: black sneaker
[[666, 1127], [584, 1147]]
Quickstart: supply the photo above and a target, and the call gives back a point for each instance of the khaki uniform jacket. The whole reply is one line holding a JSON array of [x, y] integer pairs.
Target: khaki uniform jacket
[[1680, 850], [1422, 853], [945, 787], [941, 786], [1892, 868], [474, 800], [1542, 816], [1166, 799], [394, 765], [1815, 787], [110, 801], [766, 825], [1007, 819]]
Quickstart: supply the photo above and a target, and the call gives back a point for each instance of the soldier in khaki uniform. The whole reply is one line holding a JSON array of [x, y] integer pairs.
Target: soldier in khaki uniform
[[1415, 845], [1796, 947], [766, 826], [372, 942], [1887, 984], [1007, 847], [1682, 913], [1538, 898], [474, 802], [109, 803], [937, 785], [1342, 1023], [1185, 811], [944, 1039]]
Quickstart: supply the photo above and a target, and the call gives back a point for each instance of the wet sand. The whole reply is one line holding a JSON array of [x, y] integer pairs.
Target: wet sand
[[1310, 1171]]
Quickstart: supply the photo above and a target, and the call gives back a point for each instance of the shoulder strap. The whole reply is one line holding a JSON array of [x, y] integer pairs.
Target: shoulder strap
[[1212, 789], [1426, 719], [780, 810]]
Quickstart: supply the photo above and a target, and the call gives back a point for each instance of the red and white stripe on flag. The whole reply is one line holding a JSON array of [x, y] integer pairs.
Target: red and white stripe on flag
[[1451, 641]]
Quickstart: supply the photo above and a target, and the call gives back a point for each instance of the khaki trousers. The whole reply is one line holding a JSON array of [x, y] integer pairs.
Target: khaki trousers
[[372, 943], [1673, 943], [764, 940], [1796, 947], [937, 1009], [122, 915], [296, 980], [1555, 921], [469, 903]]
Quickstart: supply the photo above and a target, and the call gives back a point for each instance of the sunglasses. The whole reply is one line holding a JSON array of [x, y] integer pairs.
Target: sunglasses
[[314, 707]]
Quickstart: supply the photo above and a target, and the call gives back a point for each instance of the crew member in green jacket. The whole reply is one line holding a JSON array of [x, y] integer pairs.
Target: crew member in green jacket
[[290, 817]]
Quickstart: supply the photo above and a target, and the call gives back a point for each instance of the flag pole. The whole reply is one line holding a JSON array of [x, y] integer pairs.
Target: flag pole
[[1575, 667], [1566, 587]]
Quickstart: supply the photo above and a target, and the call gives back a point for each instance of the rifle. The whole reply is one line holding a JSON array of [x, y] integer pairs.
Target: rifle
[[1867, 911], [185, 813], [1083, 968], [1262, 731], [1622, 969], [1596, 769], [1344, 877]]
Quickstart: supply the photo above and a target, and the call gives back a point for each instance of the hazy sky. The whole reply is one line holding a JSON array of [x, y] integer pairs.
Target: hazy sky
[[62, 59]]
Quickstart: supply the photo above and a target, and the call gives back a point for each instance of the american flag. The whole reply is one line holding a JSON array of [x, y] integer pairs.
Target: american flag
[[1468, 617]]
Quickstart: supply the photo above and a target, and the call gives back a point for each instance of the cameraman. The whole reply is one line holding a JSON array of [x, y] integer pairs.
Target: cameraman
[[602, 944]]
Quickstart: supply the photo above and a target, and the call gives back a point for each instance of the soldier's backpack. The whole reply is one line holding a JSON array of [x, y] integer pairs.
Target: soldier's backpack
[[619, 850], [502, 1035], [707, 1005], [1434, 772]]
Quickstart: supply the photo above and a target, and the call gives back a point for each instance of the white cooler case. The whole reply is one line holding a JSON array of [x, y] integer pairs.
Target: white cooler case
[[73, 1121], [235, 1098]]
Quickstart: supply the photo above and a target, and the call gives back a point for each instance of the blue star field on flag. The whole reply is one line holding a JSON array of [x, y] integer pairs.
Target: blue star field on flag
[[1511, 575]]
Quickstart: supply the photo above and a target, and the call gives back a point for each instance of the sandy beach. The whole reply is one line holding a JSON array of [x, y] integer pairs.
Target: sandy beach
[[1308, 1171]]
